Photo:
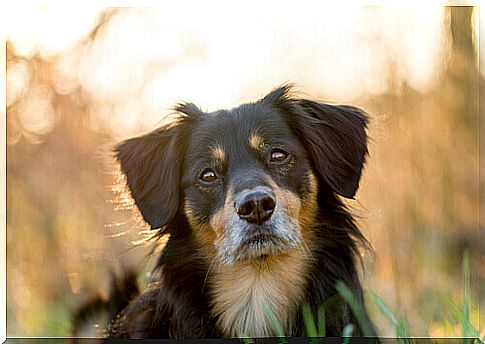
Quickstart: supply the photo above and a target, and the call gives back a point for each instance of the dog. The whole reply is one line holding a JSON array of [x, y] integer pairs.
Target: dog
[[251, 200]]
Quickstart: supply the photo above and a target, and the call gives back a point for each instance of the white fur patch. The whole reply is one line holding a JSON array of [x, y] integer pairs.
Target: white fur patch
[[240, 292]]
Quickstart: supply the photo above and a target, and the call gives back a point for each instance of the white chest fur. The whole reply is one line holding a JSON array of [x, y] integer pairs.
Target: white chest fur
[[240, 293]]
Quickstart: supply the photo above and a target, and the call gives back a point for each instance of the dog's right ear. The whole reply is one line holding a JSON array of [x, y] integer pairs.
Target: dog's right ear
[[151, 164], [334, 135]]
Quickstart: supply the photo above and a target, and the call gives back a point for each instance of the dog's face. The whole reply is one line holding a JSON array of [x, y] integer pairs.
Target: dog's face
[[246, 179]]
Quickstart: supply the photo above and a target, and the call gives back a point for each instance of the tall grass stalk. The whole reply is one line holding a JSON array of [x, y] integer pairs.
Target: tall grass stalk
[[349, 297], [322, 329], [314, 330], [311, 328], [466, 295], [347, 333], [277, 326], [399, 325]]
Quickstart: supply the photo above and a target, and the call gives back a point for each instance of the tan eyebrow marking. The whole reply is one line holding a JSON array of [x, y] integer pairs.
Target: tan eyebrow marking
[[218, 153], [256, 141]]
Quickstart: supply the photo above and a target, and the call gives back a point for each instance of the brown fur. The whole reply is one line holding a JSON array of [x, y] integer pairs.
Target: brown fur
[[256, 141], [218, 153]]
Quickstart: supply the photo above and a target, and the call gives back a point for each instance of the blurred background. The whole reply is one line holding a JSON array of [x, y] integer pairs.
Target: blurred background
[[80, 79]]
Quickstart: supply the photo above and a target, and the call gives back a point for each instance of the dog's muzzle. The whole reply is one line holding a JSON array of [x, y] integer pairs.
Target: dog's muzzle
[[259, 230]]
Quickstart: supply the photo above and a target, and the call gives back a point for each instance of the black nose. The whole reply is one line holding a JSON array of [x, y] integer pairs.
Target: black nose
[[256, 206]]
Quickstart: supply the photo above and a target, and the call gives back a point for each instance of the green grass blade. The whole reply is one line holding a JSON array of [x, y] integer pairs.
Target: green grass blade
[[347, 333], [400, 325], [383, 307], [460, 318], [276, 323], [246, 339], [349, 297], [322, 328], [466, 294], [311, 329], [455, 310], [402, 330]]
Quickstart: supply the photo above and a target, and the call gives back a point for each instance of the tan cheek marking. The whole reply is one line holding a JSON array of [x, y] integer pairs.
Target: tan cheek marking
[[208, 235], [203, 233], [310, 201], [255, 141], [299, 210], [313, 184], [309, 208], [286, 199], [189, 214], [293, 203], [228, 208], [217, 221], [218, 153]]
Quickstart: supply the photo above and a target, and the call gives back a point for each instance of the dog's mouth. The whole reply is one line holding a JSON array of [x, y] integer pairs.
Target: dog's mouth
[[260, 246]]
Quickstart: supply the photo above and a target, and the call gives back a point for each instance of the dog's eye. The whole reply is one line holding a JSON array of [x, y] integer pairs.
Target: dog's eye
[[278, 156], [208, 176]]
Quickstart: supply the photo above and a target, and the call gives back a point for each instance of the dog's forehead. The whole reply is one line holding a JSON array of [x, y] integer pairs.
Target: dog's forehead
[[248, 125]]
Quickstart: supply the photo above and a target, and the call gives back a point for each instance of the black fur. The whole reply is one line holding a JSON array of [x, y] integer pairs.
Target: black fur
[[123, 290], [329, 139], [151, 164]]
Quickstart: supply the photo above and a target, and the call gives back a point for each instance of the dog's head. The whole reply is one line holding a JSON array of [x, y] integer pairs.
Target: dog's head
[[246, 179]]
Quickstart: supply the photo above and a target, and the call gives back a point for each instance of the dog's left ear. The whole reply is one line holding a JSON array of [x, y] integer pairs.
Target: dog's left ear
[[336, 137], [151, 164]]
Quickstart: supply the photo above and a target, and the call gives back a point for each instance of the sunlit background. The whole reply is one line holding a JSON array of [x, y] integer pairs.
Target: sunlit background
[[80, 79]]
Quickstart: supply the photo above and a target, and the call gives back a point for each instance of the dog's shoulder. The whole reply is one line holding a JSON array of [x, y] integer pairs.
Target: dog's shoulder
[[162, 311]]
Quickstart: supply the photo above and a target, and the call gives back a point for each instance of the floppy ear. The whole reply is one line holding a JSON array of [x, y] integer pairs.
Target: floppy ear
[[151, 164], [334, 135], [336, 138]]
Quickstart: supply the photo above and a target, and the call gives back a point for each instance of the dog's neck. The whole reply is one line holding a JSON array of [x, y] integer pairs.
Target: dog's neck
[[245, 293]]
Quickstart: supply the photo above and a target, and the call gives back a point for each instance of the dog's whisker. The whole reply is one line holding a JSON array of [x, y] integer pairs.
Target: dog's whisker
[[208, 272], [307, 249]]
